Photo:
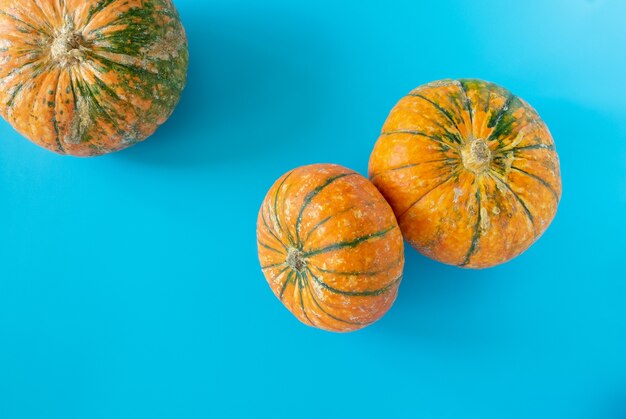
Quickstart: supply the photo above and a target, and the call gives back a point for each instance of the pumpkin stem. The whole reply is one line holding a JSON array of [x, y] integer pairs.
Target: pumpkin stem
[[476, 156], [66, 47], [295, 260]]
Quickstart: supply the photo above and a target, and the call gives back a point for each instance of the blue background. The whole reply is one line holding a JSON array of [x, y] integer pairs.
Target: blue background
[[130, 286]]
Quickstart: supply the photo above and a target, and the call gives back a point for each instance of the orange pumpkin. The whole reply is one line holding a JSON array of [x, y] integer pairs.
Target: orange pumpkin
[[89, 77], [330, 247], [470, 170]]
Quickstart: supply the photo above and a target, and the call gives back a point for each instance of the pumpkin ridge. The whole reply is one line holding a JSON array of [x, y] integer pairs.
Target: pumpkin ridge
[[350, 243], [44, 23], [54, 119], [440, 109], [278, 188], [270, 230], [314, 299], [100, 84], [88, 93], [455, 139], [288, 279], [147, 76], [367, 273], [517, 197], [527, 157], [540, 180], [325, 220], [453, 175], [408, 166], [476, 236], [141, 26], [78, 130], [421, 134], [273, 265], [103, 86], [268, 247], [496, 118], [34, 100], [28, 25], [285, 230], [373, 293], [99, 7], [468, 103], [311, 195], [300, 286], [548, 147], [320, 321], [13, 73]]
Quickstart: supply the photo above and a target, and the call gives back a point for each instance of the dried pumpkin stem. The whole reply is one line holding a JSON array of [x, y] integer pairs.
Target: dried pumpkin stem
[[66, 46], [295, 260], [476, 156]]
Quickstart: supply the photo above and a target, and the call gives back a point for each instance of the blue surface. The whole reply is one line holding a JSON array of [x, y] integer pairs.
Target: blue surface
[[130, 287]]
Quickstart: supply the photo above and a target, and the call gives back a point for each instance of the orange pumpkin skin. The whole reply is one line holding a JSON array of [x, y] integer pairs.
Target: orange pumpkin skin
[[330, 247], [470, 170], [90, 77]]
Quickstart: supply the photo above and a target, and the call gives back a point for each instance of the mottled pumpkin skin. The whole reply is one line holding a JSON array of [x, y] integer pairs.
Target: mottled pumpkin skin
[[90, 77], [330, 247], [470, 170]]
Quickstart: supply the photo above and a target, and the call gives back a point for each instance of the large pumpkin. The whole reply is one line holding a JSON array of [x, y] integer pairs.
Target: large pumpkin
[[470, 170], [330, 247], [89, 77]]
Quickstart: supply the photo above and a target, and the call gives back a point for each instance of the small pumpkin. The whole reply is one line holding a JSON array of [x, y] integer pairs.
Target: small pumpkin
[[330, 247], [89, 77], [470, 170]]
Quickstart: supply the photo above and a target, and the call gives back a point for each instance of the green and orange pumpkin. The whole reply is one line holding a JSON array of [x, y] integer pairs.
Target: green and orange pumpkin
[[90, 77], [470, 170], [330, 247]]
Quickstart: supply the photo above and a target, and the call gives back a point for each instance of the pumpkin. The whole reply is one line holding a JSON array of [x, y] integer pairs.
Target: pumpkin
[[470, 170], [90, 77], [330, 247]]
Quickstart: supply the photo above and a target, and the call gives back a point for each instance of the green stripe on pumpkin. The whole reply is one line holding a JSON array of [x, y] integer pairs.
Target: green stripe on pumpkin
[[437, 106], [448, 161], [273, 265], [276, 217], [270, 230], [98, 7], [476, 236], [539, 146], [455, 174], [540, 180], [468, 102], [286, 283], [372, 293], [350, 244], [503, 121], [311, 195], [312, 293], [300, 286], [444, 146], [518, 198], [325, 220], [268, 247], [359, 273]]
